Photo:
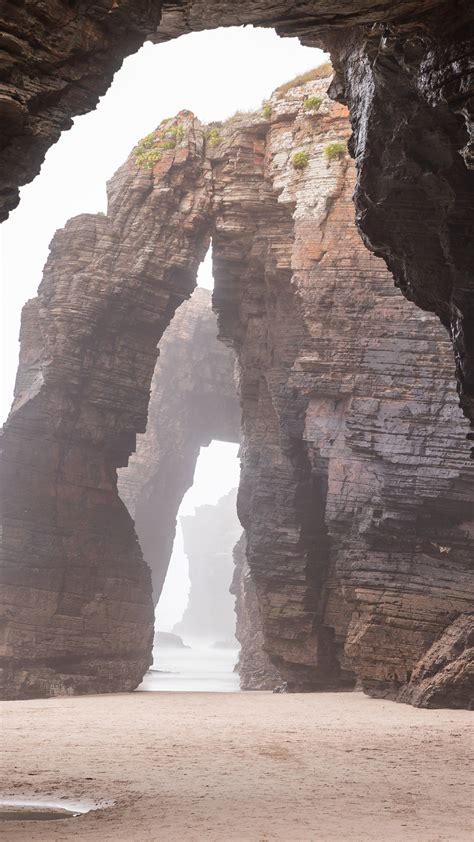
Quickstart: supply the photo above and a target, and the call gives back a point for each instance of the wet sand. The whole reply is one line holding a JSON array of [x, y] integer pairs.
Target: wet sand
[[240, 766]]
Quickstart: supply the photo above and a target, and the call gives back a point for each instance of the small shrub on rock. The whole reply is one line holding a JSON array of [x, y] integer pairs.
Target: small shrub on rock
[[334, 150], [266, 111], [300, 160], [312, 103], [147, 153], [213, 137]]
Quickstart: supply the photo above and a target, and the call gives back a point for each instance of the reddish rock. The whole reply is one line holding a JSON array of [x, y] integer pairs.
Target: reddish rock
[[77, 611]]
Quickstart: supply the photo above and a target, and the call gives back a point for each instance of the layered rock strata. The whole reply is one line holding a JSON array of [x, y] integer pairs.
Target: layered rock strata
[[209, 537], [256, 671], [353, 501], [77, 610], [193, 401], [409, 87], [403, 68], [355, 495]]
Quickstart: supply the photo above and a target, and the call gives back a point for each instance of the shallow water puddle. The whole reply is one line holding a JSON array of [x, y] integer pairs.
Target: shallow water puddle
[[20, 810]]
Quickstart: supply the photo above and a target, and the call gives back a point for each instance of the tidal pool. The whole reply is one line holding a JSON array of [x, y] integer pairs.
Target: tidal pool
[[34, 810]]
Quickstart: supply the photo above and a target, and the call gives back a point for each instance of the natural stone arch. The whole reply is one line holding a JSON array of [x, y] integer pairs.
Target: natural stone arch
[[193, 402], [415, 183], [82, 391], [344, 542]]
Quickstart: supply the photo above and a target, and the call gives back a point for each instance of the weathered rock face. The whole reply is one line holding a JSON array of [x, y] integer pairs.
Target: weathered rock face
[[193, 401], [403, 69], [255, 669], [410, 93], [77, 611], [355, 493], [209, 537]]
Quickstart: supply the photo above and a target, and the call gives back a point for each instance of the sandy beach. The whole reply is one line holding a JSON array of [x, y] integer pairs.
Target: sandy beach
[[240, 766]]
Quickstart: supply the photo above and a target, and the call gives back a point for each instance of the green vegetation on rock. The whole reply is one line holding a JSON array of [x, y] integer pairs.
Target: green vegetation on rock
[[266, 111], [300, 160], [334, 150], [312, 103], [213, 136], [147, 153]]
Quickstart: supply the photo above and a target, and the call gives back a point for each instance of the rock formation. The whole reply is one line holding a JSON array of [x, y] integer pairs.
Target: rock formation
[[77, 610], [168, 640], [403, 68], [209, 537], [193, 401], [355, 494], [256, 671]]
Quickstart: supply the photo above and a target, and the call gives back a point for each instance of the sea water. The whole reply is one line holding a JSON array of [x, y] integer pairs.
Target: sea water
[[200, 668]]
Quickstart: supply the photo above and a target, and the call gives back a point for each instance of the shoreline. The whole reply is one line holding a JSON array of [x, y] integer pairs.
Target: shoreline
[[253, 767]]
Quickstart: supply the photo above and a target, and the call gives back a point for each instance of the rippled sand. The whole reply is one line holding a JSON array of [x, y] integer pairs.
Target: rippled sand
[[240, 766]]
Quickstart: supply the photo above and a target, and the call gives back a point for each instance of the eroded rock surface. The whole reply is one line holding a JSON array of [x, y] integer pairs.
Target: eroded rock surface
[[410, 90], [403, 68], [256, 671], [356, 492], [193, 401], [356, 495], [77, 610]]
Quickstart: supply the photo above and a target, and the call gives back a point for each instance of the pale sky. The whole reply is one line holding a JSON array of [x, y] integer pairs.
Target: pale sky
[[212, 74]]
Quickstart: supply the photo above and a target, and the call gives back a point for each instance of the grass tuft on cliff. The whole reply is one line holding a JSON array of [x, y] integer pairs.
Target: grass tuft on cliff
[[147, 153], [300, 160], [320, 72], [212, 135], [312, 103], [334, 150]]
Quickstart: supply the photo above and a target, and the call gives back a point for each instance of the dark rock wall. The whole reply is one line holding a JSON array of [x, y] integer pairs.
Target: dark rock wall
[[410, 92], [193, 401], [355, 494], [57, 58], [209, 537]]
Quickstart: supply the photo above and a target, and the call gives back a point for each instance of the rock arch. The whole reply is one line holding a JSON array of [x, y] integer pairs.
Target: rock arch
[[193, 401], [403, 69], [355, 494]]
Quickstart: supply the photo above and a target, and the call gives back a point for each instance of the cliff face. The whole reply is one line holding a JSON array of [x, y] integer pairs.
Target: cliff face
[[209, 538], [77, 611], [355, 494], [193, 401], [403, 68], [256, 671], [410, 94]]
